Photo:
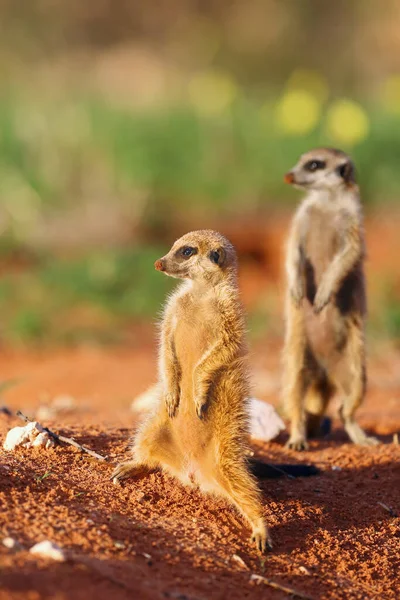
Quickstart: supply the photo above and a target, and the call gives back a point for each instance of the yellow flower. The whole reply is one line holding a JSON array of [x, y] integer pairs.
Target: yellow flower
[[298, 112], [347, 122], [212, 92]]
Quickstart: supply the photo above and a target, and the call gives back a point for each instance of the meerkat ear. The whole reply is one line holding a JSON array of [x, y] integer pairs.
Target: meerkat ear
[[217, 256], [347, 172]]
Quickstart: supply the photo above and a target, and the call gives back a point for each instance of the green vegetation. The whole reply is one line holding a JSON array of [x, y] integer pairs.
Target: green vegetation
[[93, 298], [55, 156]]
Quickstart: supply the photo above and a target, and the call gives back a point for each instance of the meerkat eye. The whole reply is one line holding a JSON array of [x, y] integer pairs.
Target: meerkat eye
[[314, 165], [214, 256], [188, 251]]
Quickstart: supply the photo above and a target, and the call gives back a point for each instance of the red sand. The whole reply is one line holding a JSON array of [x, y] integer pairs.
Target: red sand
[[332, 538]]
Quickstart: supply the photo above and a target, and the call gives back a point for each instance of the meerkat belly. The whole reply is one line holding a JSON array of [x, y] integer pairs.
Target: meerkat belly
[[325, 333], [325, 330], [191, 434], [321, 246]]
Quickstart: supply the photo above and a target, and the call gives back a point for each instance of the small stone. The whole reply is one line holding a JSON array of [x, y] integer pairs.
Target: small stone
[[41, 439], [11, 543], [239, 561], [50, 443], [63, 403], [119, 545], [48, 549], [265, 423], [33, 434], [45, 413], [304, 570]]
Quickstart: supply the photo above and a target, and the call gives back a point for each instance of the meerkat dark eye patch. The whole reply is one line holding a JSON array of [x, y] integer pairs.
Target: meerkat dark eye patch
[[217, 256], [214, 256], [187, 251], [346, 172], [314, 165]]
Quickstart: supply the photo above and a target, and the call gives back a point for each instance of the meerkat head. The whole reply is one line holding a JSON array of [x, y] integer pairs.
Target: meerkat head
[[203, 255], [322, 169]]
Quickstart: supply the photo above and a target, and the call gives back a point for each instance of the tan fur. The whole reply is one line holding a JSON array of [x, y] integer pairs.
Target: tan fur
[[199, 430], [326, 300]]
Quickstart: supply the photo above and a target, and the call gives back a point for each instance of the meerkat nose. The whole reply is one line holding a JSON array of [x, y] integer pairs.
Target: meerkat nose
[[159, 265], [289, 177]]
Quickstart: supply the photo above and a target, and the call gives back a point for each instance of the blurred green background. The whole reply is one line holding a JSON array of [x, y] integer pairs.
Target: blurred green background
[[124, 124]]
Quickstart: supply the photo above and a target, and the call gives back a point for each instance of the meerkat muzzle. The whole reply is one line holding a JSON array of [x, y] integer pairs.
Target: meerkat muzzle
[[289, 177], [159, 265]]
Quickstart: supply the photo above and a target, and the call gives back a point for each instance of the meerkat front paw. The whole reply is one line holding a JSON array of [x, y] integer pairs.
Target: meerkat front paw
[[297, 443], [261, 538], [172, 403], [322, 298]]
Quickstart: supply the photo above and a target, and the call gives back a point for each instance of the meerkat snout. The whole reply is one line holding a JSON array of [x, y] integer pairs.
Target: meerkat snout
[[322, 168], [288, 178], [159, 265]]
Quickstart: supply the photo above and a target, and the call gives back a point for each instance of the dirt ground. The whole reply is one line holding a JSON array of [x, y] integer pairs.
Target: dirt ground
[[336, 535], [154, 539]]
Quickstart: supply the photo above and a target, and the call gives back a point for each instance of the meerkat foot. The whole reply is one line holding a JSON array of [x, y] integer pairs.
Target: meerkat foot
[[125, 470], [359, 437], [261, 538], [296, 442]]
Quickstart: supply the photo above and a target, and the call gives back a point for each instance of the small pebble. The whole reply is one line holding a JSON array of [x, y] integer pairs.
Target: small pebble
[[11, 543], [119, 545], [48, 549]]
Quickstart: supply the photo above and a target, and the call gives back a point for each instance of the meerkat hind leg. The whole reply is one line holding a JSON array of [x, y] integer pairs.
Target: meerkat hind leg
[[294, 402], [235, 483], [152, 448], [316, 401], [351, 381]]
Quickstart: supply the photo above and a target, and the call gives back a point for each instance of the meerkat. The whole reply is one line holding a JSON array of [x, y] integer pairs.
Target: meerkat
[[198, 431], [324, 349]]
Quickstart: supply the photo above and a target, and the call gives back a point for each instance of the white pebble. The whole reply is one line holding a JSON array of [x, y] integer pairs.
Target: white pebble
[[63, 403], [10, 543], [41, 439], [32, 434], [48, 549], [45, 413], [265, 423]]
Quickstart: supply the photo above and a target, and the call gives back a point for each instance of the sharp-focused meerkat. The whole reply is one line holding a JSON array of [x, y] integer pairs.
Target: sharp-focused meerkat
[[198, 431], [326, 301]]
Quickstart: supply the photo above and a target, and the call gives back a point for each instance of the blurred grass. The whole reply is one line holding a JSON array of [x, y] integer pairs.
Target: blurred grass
[[57, 155], [94, 298], [54, 156]]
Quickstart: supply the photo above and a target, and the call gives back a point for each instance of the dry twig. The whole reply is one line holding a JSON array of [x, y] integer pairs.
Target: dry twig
[[62, 438], [283, 588], [391, 512]]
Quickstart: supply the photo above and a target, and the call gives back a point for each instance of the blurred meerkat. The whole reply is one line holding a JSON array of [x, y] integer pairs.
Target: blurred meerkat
[[326, 301], [198, 430]]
